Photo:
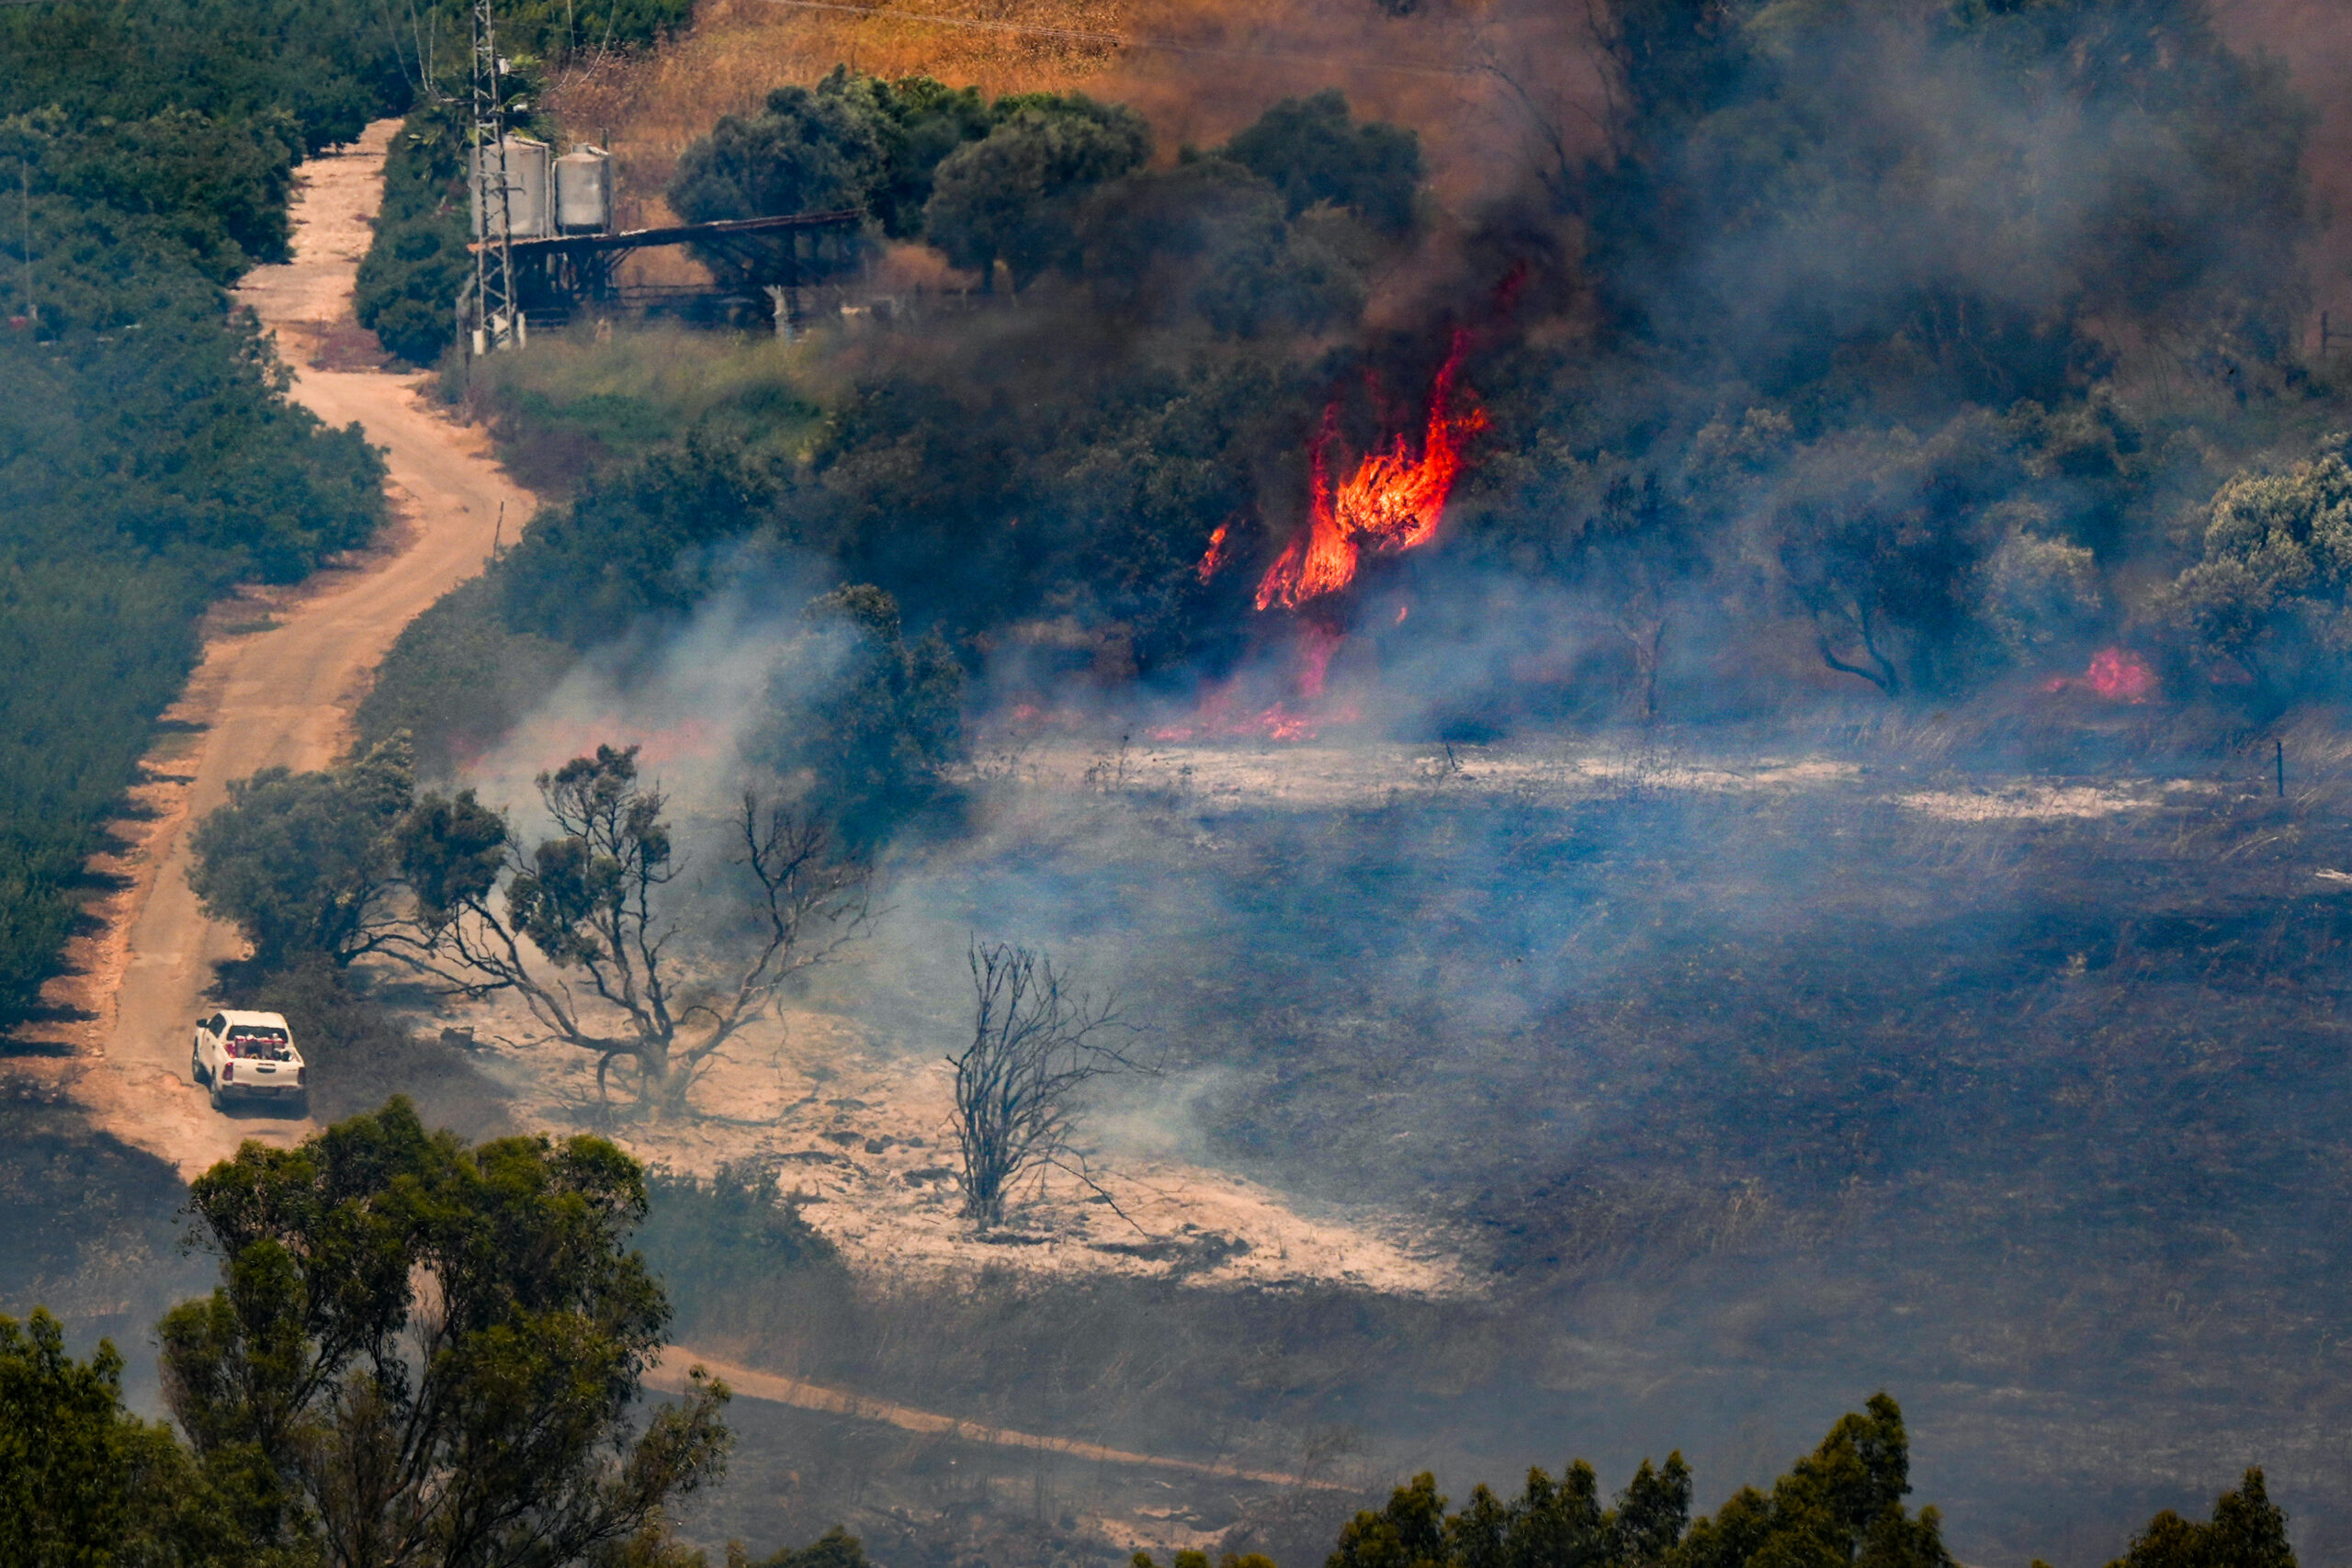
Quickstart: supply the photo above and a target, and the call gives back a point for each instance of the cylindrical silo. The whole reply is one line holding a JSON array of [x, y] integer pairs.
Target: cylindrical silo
[[529, 209], [584, 190]]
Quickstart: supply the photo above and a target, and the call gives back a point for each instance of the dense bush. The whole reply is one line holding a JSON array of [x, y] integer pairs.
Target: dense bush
[[147, 455], [409, 280], [457, 680], [296, 860], [1756, 380]]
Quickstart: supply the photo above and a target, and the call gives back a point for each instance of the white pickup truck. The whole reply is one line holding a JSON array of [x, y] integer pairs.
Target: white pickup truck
[[249, 1054]]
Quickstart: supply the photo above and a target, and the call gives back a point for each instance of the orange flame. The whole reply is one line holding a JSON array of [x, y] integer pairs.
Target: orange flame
[[1391, 502], [1214, 562]]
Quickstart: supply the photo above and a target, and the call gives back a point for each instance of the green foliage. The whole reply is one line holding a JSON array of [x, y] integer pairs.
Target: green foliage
[[736, 1231], [327, 66], [84, 1483], [2270, 591], [1208, 238], [300, 863], [645, 541], [1200, 1560], [456, 680], [147, 455], [873, 739], [852, 140], [1841, 1504], [1312, 150], [139, 473], [2247, 1531], [556, 29], [214, 190], [421, 1343], [1552, 1524], [1015, 195], [409, 280]]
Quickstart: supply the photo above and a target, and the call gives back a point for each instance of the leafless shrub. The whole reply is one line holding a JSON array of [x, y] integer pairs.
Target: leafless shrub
[[1036, 1044]]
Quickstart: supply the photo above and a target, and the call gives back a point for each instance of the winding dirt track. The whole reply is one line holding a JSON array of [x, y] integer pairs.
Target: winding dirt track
[[281, 676], [282, 694]]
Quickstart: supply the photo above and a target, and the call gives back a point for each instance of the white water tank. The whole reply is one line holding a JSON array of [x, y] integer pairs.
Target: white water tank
[[584, 190], [529, 208]]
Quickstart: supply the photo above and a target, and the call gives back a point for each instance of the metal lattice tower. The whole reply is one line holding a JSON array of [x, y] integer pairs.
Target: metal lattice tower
[[496, 322]]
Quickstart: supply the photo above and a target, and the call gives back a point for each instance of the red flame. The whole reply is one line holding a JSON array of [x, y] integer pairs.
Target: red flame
[[1221, 717], [2117, 674], [1221, 712], [1391, 502]]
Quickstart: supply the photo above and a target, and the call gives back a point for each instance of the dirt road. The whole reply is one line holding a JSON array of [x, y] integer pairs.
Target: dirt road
[[279, 685], [670, 1375]]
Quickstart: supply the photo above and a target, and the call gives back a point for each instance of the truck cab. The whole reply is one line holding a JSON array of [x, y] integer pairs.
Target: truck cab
[[249, 1056]]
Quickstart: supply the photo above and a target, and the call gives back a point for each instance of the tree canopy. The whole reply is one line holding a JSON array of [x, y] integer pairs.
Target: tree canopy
[[421, 1352]]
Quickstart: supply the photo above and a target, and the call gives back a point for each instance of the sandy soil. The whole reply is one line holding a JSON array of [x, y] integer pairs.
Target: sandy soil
[[281, 675], [860, 1132]]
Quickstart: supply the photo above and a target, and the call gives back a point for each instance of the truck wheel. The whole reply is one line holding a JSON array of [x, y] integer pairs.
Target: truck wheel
[[216, 1094], [302, 1104], [195, 1067]]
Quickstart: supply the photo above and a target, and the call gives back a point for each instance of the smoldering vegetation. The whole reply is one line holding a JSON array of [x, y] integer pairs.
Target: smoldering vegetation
[[1738, 1099], [1920, 394]]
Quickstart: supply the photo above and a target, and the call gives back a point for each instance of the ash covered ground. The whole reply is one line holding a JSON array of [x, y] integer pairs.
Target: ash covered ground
[[1603, 1097]]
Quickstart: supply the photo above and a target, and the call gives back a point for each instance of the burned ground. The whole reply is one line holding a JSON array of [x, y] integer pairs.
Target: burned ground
[[1742, 1103]]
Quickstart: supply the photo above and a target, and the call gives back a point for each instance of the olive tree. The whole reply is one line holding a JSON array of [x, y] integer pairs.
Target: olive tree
[[1015, 195], [581, 928]]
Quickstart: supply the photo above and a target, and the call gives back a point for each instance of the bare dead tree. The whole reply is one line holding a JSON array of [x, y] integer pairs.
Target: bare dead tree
[[583, 935], [1036, 1044]]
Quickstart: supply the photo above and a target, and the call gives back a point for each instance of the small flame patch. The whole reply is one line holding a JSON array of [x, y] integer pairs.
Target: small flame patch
[[2116, 673]]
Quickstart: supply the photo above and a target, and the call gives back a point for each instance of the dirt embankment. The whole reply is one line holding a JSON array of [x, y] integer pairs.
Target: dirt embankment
[[282, 673]]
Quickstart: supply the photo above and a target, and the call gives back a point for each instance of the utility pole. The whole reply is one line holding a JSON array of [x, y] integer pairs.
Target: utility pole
[[497, 323], [32, 307]]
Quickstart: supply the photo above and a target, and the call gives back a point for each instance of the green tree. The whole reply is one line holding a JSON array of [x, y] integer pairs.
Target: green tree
[[1552, 1524], [84, 1483], [810, 150], [1211, 238], [2247, 1531], [634, 543], [1015, 196], [301, 862], [919, 122], [588, 906], [1312, 150], [426, 1353], [1841, 1504], [874, 740], [2270, 591]]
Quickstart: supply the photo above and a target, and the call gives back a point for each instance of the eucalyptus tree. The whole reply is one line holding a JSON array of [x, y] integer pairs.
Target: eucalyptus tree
[[583, 928]]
